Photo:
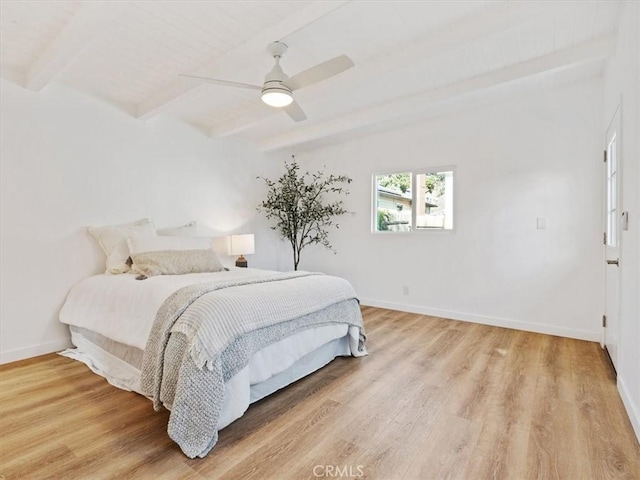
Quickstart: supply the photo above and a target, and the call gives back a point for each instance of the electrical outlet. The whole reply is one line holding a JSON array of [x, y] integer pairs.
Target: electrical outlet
[[405, 289]]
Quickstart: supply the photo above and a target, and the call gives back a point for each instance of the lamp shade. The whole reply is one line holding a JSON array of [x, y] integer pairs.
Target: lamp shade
[[242, 244]]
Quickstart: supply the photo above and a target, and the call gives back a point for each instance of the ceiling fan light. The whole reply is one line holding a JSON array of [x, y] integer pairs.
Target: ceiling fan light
[[277, 97]]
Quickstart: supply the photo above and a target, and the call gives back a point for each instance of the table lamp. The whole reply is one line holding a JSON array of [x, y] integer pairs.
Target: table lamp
[[242, 245]]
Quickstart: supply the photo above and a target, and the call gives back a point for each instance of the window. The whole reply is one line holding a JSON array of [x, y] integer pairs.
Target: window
[[612, 193], [409, 201]]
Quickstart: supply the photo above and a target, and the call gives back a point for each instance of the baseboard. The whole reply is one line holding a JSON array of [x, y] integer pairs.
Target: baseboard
[[633, 410], [487, 320], [34, 350]]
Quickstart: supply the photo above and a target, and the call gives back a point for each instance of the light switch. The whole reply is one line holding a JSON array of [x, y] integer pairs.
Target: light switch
[[541, 223]]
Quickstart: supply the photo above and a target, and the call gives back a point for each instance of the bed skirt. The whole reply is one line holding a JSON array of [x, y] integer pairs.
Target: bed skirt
[[266, 373]]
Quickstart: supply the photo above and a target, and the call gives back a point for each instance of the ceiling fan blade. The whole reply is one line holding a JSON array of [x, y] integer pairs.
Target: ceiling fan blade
[[295, 112], [320, 72], [225, 83]]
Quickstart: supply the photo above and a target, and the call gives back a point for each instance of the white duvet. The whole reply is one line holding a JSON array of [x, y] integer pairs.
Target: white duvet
[[123, 309]]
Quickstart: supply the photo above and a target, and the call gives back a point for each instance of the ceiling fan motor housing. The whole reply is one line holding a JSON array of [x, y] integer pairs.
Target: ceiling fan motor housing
[[276, 75], [274, 91]]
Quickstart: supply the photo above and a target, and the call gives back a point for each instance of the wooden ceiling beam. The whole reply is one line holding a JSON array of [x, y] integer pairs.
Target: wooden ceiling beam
[[242, 122], [597, 49], [90, 20]]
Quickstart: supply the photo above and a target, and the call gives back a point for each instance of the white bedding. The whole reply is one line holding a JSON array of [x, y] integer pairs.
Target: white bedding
[[123, 309]]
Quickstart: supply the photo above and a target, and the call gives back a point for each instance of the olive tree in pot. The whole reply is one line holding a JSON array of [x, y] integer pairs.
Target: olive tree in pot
[[296, 203]]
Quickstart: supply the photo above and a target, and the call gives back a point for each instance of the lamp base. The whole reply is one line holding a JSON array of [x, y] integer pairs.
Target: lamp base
[[241, 262]]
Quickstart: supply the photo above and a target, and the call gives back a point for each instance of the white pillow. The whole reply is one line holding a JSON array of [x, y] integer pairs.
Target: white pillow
[[160, 244], [113, 241], [188, 230]]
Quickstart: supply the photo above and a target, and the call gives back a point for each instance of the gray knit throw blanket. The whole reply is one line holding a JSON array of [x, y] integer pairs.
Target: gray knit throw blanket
[[206, 333]]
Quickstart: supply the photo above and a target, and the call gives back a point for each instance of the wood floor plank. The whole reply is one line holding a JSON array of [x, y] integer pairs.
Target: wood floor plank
[[435, 399], [599, 407]]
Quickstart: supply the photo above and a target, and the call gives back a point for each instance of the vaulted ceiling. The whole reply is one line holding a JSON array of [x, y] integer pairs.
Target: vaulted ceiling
[[413, 59]]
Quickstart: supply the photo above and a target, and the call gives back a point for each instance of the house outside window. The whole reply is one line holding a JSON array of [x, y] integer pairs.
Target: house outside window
[[418, 200]]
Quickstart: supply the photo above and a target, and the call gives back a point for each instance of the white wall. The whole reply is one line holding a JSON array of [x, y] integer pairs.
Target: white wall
[[69, 161], [518, 160], [622, 87]]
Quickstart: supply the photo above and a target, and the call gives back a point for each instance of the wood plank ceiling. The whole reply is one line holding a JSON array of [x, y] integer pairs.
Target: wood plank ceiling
[[414, 60]]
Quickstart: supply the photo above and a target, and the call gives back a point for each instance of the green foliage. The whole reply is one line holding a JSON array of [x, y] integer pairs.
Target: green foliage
[[400, 181], [295, 202], [434, 181], [383, 218]]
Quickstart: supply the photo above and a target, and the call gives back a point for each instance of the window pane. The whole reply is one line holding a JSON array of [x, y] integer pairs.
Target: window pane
[[611, 156], [434, 205], [612, 194], [612, 236], [393, 203]]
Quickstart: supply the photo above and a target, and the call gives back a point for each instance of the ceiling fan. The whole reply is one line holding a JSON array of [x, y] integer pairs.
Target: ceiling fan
[[277, 90]]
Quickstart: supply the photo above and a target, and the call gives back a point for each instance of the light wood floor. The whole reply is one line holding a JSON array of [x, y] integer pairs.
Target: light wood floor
[[435, 399]]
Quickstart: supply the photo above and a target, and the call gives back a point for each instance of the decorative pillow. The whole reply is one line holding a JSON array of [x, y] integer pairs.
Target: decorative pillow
[[188, 230], [113, 241], [175, 262], [156, 244]]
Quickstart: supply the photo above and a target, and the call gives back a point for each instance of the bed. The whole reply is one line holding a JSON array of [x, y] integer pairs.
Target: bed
[[207, 345]]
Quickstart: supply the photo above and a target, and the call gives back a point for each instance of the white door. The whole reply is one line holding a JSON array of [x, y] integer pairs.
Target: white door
[[612, 239]]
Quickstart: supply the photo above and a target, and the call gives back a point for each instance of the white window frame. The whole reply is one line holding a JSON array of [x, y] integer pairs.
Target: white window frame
[[414, 173]]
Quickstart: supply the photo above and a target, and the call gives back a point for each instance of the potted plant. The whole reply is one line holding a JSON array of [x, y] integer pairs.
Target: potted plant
[[296, 203]]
